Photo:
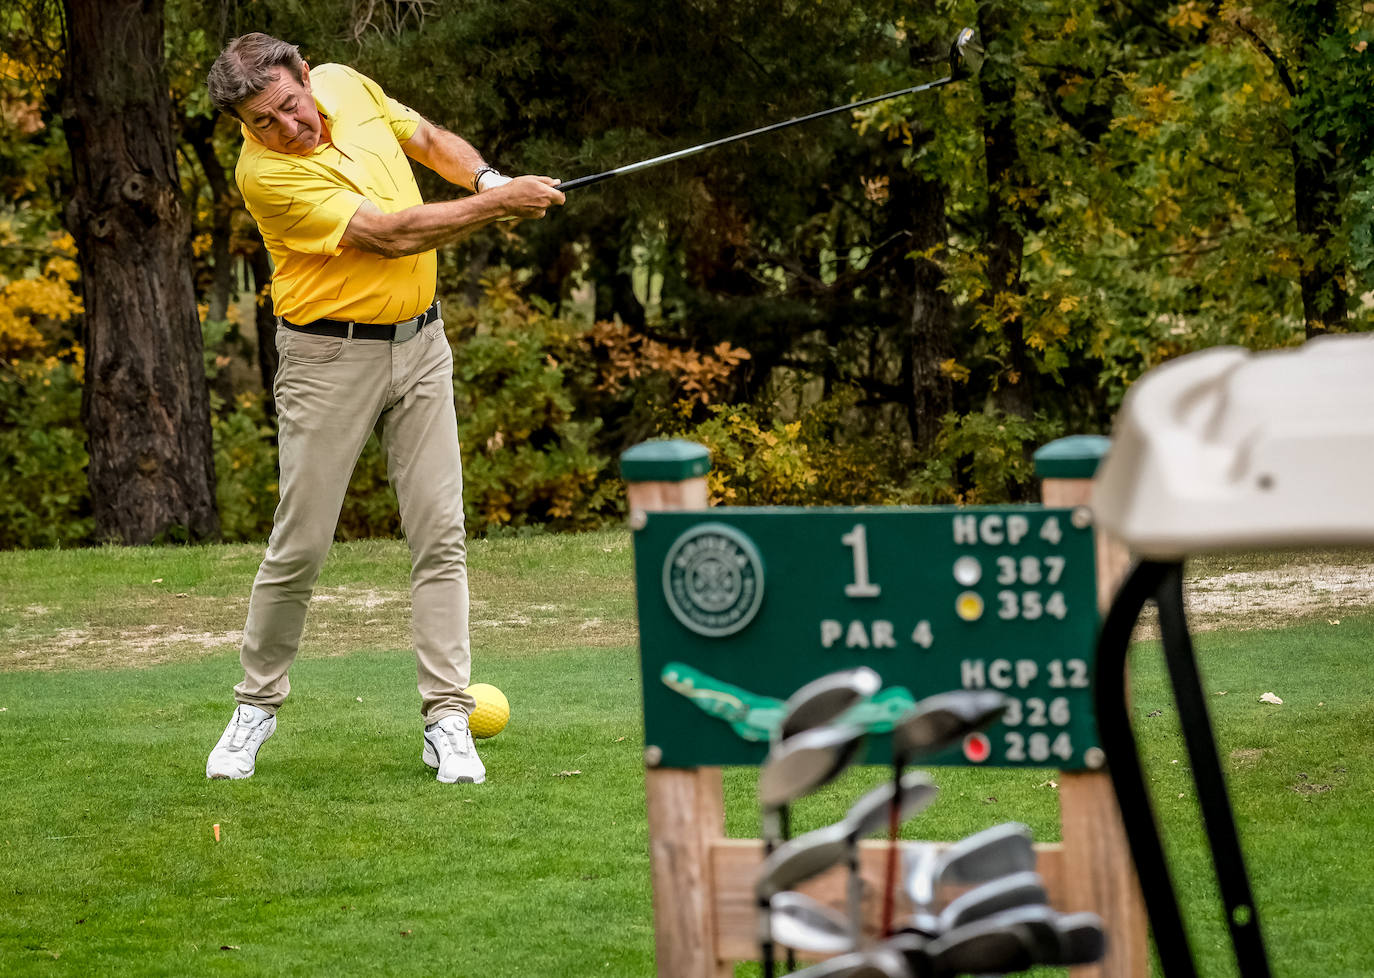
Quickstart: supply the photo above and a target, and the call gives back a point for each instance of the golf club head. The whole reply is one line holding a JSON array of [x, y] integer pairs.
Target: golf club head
[[870, 813], [877, 962], [997, 851], [824, 700], [939, 722], [993, 897], [800, 859], [981, 948], [806, 761], [805, 924], [919, 864], [913, 948], [1038, 927], [1082, 939], [965, 55]]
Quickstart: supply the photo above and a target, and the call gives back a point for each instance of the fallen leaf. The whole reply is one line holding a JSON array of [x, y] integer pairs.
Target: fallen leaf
[[1333, 621], [183, 594], [1221, 692], [405, 933], [157, 580], [619, 739], [566, 774], [990, 800], [228, 947], [1155, 713], [1270, 698], [358, 698]]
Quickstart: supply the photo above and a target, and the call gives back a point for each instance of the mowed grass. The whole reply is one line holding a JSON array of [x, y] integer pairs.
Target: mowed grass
[[344, 856]]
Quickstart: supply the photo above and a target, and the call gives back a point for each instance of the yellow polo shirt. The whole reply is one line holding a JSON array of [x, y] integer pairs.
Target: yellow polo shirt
[[302, 205]]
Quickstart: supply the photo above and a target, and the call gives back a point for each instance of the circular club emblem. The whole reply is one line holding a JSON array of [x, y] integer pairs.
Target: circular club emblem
[[713, 579]]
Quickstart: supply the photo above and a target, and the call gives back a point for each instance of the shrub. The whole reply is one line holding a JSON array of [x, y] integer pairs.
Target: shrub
[[245, 469], [527, 456], [983, 459], [44, 499], [756, 461]]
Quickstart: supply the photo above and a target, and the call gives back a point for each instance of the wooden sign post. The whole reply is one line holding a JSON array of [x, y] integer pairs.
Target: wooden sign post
[[711, 582]]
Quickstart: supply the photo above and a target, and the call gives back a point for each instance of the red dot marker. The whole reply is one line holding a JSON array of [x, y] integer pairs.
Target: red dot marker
[[977, 748]]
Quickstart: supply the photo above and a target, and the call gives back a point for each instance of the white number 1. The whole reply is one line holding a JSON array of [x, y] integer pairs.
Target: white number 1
[[861, 588]]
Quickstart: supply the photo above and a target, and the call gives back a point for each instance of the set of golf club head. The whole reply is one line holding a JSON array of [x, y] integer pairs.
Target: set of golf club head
[[1001, 923]]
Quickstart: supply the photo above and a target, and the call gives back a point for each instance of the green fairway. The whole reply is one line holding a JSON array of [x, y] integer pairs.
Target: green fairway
[[343, 855]]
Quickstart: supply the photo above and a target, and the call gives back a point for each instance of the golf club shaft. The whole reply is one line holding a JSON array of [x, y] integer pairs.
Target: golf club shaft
[[701, 148]]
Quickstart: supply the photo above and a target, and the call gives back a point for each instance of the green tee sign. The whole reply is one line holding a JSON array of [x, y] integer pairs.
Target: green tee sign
[[739, 607]]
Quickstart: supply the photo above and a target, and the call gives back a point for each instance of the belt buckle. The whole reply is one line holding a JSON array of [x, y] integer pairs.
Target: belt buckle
[[407, 330]]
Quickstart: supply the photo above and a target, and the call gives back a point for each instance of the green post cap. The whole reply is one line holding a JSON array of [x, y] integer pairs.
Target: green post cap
[[674, 460], [1074, 457]]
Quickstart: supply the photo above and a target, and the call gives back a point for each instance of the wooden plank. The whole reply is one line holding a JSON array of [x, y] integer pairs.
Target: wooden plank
[[1102, 876], [735, 863], [686, 811]]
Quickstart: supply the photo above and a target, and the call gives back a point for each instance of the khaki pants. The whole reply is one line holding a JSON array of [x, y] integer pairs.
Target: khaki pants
[[330, 395]]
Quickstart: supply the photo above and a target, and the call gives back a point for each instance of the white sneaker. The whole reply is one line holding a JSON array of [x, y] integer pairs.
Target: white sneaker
[[237, 750], [449, 747]]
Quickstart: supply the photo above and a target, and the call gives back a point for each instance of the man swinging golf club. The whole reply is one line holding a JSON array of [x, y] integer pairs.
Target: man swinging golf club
[[325, 172]]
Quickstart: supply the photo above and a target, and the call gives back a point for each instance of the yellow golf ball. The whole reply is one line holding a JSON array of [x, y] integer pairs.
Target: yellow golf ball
[[492, 712]]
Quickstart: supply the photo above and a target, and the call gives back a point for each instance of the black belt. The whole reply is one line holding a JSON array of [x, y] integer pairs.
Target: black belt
[[396, 332]]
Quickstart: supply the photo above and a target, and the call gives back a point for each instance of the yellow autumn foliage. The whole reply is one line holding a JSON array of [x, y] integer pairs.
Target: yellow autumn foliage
[[45, 293]]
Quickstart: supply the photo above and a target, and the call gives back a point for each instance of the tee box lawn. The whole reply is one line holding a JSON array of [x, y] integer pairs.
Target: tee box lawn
[[344, 856]]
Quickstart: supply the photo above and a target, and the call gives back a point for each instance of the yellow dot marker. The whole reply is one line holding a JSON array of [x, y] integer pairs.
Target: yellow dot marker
[[969, 606]]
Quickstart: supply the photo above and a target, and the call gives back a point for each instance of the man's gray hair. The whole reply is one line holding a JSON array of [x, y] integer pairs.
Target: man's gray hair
[[245, 68]]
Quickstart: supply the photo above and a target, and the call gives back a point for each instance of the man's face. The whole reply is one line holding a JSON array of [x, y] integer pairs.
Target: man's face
[[283, 116]]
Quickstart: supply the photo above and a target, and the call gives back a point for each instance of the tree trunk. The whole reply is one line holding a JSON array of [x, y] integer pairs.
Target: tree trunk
[[145, 405], [200, 136], [1005, 243], [1317, 197], [929, 341], [1317, 205]]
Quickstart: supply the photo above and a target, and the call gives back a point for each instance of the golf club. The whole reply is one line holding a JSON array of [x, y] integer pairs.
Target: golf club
[[814, 705], [988, 946], [935, 724], [824, 700], [801, 764], [965, 58], [803, 923], [791, 863], [1082, 939], [993, 897], [867, 815], [878, 962], [997, 851]]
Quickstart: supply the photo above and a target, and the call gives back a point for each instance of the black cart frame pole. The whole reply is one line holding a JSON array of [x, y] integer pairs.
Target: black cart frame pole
[[1163, 582]]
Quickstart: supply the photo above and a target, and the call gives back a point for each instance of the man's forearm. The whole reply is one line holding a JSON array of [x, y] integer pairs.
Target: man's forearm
[[449, 155], [421, 228]]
